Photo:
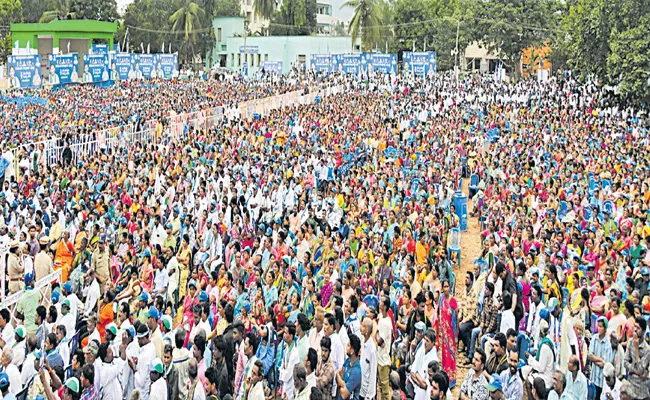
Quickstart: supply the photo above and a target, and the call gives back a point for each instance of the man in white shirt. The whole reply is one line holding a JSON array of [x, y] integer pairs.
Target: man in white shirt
[[368, 361], [73, 301], [158, 385], [611, 384], [147, 354], [92, 293], [15, 383], [289, 360], [257, 382], [424, 354], [68, 319], [384, 339], [160, 280], [7, 329]]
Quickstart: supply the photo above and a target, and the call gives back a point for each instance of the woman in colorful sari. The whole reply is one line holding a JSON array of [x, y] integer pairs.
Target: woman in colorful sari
[[447, 333], [63, 257]]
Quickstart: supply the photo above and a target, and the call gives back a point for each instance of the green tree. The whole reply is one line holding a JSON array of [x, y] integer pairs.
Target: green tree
[[628, 63], [147, 22], [507, 27], [365, 23], [295, 17], [11, 11], [265, 8], [225, 8], [100, 10], [61, 9], [33, 9], [187, 20]]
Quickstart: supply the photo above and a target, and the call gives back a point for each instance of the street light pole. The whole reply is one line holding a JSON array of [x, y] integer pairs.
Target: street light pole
[[456, 58]]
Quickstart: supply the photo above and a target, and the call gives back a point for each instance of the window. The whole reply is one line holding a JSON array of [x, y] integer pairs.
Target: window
[[259, 59], [249, 16], [302, 58], [266, 57], [218, 34], [239, 60], [232, 59]]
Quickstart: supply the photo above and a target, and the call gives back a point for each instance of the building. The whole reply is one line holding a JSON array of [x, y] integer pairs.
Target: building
[[255, 22], [479, 59], [324, 18], [74, 36], [233, 50]]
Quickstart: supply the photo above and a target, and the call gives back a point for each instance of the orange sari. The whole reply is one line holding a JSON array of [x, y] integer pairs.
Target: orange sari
[[63, 259]]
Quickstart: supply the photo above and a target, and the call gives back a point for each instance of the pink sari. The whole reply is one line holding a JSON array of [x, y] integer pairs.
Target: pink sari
[[447, 336]]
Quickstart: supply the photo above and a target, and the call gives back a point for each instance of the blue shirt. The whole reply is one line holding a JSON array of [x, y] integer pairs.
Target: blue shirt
[[352, 378], [602, 349]]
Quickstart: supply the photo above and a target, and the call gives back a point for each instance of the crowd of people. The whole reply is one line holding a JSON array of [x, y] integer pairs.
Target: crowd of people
[[306, 253]]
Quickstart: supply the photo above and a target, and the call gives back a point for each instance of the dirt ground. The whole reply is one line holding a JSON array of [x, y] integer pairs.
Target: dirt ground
[[470, 250]]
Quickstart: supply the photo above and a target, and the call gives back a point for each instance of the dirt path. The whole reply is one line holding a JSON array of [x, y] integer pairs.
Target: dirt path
[[470, 250]]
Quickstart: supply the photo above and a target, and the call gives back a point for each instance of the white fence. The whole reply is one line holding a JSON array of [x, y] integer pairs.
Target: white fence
[[43, 285]]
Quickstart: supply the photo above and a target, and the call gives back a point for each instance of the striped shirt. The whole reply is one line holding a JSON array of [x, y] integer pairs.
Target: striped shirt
[[602, 349]]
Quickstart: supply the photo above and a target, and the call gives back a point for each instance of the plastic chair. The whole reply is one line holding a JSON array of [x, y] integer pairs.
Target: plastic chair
[[372, 301], [452, 283], [523, 343], [607, 185], [454, 243], [608, 206], [473, 184], [564, 210]]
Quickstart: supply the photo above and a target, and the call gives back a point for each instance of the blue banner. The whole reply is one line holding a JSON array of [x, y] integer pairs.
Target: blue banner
[[64, 68], [274, 67], [167, 66], [145, 66], [24, 71], [376, 62], [420, 63], [95, 68], [123, 67], [347, 63], [99, 49], [321, 62]]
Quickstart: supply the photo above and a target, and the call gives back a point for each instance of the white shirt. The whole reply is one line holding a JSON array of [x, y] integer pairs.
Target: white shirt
[[421, 366], [69, 322], [75, 305], [289, 360], [92, 297], [385, 330], [28, 369], [15, 381], [368, 369], [160, 280], [142, 380], [507, 321], [159, 390], [8, 335], [110, 385], [615, 391]]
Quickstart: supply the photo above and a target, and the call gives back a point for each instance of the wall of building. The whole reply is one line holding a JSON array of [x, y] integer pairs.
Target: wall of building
[[287, 49]]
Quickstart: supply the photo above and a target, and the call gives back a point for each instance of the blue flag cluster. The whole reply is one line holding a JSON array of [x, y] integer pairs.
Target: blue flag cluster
[[354, 63]]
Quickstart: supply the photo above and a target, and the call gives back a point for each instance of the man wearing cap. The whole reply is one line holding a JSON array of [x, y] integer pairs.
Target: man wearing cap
[[600, 352], [68, 319], [158, 384], [156, 336], [110, 335], [4, 386], [495, 388], [129, 350], [642, 284], [15, 268], [19, 347], [43, 265], [27, 304], [100, 262], [147, 354], [167, 332], [90, 354]]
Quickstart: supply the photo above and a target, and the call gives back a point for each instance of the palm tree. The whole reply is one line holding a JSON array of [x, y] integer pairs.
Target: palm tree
[[62, 9], [187, 20], [264, 8], [365, 23]]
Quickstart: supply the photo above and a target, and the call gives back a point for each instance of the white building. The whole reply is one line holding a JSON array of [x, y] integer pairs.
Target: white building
[[324, 18], [255, 22]]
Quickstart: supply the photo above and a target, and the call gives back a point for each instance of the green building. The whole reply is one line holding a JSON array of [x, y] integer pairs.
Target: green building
[[232, 49], [75, 36]]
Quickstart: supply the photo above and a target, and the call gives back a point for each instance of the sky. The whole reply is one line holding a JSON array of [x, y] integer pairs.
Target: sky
[[345, 14]]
